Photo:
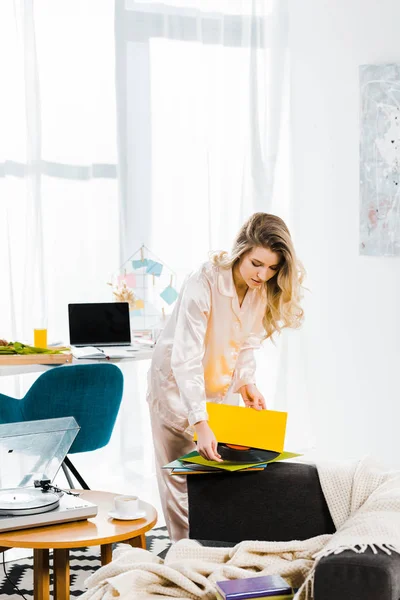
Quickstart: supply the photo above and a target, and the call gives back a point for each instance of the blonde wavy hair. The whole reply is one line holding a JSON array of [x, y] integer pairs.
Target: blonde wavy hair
[[284, 289]]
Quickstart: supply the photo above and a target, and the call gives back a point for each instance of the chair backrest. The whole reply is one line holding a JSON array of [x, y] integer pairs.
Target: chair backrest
[[91, 393]]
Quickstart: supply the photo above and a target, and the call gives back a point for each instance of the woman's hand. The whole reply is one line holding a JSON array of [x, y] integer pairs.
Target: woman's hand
[[252, 397], [206, 442]]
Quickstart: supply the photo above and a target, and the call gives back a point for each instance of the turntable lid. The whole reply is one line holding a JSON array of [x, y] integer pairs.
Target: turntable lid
[[33, 450]]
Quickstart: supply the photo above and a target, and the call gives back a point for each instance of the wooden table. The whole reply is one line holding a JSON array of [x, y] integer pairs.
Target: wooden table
[[100, 530]]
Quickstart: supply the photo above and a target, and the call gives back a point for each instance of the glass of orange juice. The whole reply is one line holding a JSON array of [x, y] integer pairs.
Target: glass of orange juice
[[40, 334]]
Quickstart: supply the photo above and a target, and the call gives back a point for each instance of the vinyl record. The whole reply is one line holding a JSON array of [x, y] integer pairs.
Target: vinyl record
[[26, 501], [244, 454]]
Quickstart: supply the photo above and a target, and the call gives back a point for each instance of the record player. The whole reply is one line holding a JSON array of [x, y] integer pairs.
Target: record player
[[31, 454]]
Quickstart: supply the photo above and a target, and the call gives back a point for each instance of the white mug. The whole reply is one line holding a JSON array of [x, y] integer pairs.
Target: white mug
[[126, 506]]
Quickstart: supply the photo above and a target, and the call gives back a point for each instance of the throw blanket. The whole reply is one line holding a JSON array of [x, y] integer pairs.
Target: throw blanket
[[364, 502]]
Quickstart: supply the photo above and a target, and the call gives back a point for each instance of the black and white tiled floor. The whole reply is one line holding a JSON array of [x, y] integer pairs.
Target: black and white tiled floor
[[83, 562]]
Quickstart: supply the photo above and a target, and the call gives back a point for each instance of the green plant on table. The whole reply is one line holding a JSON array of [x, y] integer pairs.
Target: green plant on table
[[19, 348]]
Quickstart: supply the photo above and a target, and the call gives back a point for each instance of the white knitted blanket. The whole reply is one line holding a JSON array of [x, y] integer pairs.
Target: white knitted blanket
[[364, 502]]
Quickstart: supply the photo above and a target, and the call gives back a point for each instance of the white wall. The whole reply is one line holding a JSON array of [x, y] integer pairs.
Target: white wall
[[352, 331]]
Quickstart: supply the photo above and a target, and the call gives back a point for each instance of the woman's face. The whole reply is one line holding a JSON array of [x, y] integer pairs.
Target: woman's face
[[258, 266]]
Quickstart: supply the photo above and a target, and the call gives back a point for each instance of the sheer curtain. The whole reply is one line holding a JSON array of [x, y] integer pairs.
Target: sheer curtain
[[200, 90], [203, 128], [59, 220]]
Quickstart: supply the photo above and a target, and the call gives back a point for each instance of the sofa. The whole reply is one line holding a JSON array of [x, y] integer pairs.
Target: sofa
[[285, 502]]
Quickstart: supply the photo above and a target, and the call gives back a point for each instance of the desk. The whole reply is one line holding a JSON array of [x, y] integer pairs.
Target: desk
[[144, 354]]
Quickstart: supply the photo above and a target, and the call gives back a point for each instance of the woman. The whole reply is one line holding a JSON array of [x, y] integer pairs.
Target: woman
[[205, 353]]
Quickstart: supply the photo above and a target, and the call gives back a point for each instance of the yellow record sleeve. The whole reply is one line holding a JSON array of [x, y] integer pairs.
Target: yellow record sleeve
[[264, 429]]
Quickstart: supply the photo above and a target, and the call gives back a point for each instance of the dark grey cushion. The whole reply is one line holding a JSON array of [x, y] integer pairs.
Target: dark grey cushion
[[282, 503], [352, 576]]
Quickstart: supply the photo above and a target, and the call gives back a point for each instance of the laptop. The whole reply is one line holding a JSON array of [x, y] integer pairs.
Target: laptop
[[99, 324]]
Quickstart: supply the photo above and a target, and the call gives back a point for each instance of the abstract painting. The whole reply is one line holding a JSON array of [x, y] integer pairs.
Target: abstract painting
[[380, 160]]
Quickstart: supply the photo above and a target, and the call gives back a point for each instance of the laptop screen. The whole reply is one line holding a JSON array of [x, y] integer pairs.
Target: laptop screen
[[99, 324]]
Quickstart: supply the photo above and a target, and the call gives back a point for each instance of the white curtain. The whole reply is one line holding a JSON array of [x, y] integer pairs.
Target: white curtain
[[200, 95], [203, 131], [59, 221]]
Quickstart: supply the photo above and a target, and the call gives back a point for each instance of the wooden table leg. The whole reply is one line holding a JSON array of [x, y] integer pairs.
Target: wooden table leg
[[41, 579], [106, 554], [138, 542], [61, 573]]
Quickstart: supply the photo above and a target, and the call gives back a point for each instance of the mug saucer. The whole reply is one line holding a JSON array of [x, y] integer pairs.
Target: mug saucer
[[138, 515]]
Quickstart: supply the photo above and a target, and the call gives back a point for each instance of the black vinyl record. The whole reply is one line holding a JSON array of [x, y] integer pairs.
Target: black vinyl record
[[244, 454]]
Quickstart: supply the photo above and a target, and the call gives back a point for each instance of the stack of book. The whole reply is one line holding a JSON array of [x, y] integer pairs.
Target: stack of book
[[269, 587], [194, 464]]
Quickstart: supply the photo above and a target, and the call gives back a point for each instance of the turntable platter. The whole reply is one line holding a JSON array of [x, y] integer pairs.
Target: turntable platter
[[27, 501]]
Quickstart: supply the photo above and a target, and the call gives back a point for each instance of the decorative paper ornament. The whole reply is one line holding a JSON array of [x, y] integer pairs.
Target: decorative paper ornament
[[169, 295], [154, 268], [139, 264], [150, 282]]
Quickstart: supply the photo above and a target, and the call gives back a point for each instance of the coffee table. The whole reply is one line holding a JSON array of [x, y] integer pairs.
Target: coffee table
[[100, 530]]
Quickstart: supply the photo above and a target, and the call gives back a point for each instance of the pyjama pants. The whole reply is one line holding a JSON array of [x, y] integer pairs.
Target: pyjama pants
[[170, 444]]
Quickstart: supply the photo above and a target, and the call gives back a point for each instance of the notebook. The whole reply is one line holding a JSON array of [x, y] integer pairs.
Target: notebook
[[271, 587], [88, 352]]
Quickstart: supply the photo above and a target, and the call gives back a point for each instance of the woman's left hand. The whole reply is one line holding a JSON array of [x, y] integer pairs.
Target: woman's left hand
[[252, 397]]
